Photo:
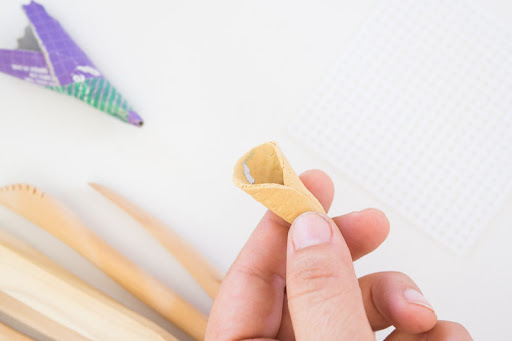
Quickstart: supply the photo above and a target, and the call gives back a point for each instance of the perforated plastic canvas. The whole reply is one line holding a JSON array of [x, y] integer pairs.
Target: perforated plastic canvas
[[418, 109]]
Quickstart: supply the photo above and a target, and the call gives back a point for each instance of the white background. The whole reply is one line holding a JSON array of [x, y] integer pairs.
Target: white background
[[212, 79]]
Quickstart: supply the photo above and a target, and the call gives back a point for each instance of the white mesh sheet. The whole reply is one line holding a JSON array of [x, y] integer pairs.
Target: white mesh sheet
[[418, 110]]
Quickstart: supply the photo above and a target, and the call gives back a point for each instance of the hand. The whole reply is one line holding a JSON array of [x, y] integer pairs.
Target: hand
[[299, 283]]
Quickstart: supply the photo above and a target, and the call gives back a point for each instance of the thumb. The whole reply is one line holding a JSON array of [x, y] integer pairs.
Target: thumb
[[324, 298]]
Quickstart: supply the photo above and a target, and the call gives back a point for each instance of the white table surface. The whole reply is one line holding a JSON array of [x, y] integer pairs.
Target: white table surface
[[212, 79]]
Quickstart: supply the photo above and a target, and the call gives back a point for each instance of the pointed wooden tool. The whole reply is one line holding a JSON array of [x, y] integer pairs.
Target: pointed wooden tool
[[40, 294], [54, 217], [9, 334], [199, 267]]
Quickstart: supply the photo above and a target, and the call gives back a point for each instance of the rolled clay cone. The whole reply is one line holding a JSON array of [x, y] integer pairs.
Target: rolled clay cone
[[265, 174]]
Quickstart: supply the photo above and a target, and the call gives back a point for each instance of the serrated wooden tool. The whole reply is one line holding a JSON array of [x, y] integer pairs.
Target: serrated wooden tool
[[9, 334], [40, 294], [48, 213], [199, 267]]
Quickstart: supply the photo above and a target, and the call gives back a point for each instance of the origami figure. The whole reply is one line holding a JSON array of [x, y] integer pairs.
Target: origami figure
[[47, 56]]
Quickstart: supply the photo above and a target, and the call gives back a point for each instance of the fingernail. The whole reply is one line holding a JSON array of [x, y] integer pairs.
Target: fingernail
[[415, 297], [310, 229]]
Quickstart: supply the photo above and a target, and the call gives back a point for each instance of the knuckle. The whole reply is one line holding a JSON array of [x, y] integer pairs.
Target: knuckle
[[382, 281], [254, 273], [307, 272], [314, 280], [314, 296], [455, 328]]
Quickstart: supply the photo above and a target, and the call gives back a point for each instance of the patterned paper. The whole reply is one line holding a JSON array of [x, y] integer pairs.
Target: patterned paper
[[55, 61]]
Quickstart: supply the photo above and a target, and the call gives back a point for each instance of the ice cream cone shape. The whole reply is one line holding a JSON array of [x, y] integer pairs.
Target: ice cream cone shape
[[47, 56], [265, 174]]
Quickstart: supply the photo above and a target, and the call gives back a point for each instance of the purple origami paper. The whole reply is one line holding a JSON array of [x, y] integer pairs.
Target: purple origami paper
[[48, 56]]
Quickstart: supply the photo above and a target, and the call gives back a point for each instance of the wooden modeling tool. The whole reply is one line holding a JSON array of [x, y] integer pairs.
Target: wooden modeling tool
[[40, 294], [57, 219], [199, 267], [9, 334]]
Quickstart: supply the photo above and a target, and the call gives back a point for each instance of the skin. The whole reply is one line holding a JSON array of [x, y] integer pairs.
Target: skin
[[277, 289]]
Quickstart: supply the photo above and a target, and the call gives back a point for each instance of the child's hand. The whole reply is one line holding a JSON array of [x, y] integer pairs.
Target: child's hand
[[299, 283]]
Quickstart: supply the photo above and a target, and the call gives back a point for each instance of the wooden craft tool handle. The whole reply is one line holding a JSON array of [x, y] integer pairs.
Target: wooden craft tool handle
[[199, 267], [43, 296], [9, 334], [57, 219]]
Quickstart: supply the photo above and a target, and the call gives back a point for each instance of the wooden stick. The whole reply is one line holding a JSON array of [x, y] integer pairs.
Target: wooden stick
[[203, 272], [9, 334], [43, 296], [36, 320], [54, 217]]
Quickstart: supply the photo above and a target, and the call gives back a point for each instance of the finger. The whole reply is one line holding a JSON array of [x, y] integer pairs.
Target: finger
[[323, 293], [316, 181], [443, 330], [250, 299], [286, 330], [363, 231], [320, 185], [392, 298]]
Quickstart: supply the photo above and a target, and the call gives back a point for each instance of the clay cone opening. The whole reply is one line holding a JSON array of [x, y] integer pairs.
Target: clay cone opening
[[261, 165]]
